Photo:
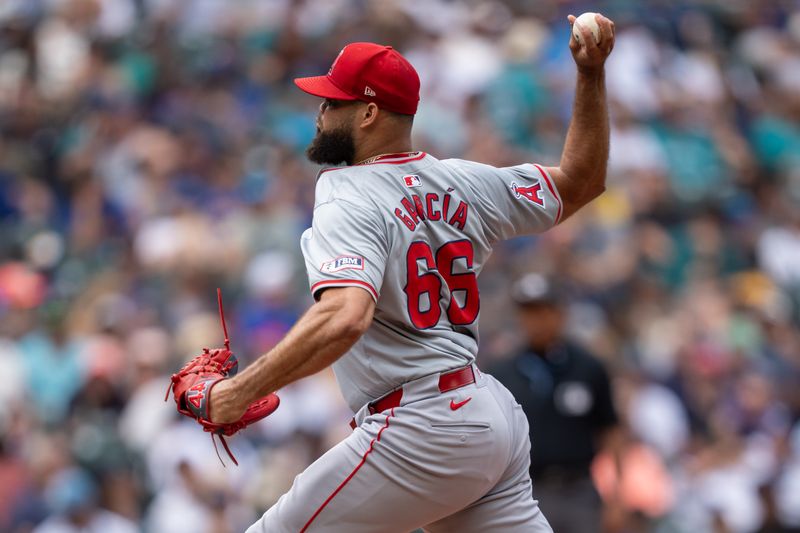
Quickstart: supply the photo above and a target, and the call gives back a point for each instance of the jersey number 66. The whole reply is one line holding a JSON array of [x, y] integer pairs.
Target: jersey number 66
[[429, 279]]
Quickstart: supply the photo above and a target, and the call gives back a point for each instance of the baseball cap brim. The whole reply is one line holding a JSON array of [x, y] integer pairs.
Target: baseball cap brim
[[323, 87]]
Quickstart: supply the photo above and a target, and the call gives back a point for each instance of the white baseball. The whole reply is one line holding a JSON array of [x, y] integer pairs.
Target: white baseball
[[586, 20]]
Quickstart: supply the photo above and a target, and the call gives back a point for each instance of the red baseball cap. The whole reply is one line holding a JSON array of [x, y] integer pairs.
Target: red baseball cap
[[371, 73]]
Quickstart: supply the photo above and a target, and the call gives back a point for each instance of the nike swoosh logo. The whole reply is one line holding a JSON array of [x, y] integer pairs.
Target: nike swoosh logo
[[459, 405]]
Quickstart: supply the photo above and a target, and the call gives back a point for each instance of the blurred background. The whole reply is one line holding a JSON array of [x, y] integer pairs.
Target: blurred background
[[152, 150]]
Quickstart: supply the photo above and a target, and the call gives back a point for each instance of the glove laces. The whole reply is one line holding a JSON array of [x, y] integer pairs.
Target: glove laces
[[225, 445], [210, 365]]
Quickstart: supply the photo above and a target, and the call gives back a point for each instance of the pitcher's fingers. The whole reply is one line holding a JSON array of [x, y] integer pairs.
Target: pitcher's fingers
[[573, 43], [571, 19], [606, 29], [588, 38]]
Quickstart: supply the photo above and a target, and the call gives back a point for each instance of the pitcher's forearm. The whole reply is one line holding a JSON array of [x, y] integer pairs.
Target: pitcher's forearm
[[325, 333], [581, 174], [586, 146], [314, 343], [585, 155]]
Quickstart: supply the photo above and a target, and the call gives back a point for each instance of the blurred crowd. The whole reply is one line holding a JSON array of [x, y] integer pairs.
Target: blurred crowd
[[152, 150]]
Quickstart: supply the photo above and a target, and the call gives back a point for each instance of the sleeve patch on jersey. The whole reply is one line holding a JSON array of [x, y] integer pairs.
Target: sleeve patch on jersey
[[412, 180], [343, 262], [532, 193]]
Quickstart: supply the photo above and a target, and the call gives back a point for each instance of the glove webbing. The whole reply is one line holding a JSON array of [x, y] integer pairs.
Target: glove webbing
[[208, 366]]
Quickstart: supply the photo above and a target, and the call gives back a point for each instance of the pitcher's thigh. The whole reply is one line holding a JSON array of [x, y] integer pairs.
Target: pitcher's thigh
[[509, 505], [511, 510], [369, 483], [335, 492]]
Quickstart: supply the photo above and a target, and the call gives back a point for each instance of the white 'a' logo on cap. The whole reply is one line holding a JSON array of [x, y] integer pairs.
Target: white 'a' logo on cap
[[368, 91], [335, 61]]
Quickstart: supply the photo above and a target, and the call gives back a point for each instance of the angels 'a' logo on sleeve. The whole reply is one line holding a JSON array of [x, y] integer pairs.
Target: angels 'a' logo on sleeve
[[532, 193], [343, 262]]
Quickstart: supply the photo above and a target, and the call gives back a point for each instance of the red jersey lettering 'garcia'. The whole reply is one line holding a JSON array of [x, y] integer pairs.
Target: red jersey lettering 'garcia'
[[432, 208]]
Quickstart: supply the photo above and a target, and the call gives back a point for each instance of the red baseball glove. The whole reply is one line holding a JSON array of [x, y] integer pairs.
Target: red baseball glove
[[191, 387]]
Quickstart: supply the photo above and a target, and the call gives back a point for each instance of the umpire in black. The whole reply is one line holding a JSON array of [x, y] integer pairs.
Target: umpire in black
[[566, 394]]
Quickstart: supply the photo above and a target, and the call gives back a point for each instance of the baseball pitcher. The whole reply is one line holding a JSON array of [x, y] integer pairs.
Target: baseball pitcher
[[397, 242]]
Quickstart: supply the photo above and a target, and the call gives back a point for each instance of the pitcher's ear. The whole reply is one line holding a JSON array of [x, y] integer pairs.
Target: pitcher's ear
[[370, 114]]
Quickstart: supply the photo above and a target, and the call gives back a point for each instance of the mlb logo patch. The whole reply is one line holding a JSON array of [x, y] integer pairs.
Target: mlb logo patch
[[343, 262], [412, 180]]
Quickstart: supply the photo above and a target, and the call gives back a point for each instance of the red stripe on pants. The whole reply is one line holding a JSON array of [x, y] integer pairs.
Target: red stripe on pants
[[353, 473]]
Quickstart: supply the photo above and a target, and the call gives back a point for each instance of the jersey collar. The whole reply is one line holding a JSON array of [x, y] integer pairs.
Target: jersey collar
[[382, 159], [394, 159]]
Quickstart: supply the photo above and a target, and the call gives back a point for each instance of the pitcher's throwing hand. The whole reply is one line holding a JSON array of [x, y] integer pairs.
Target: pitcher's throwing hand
[[590, 55]]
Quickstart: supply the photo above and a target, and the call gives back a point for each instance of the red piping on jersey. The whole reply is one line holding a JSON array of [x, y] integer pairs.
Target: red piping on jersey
[[345, 283], [552, 191], [324, 170], [353, 473]]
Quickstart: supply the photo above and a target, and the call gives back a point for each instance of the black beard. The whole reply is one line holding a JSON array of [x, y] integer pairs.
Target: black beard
[[332, 147]]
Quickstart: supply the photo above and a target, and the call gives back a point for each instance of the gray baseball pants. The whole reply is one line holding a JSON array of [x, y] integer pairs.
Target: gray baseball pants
[[434, 462]]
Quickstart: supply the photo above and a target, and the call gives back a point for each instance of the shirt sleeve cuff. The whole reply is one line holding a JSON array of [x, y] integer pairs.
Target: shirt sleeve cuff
[[329, 283], [550, 185]]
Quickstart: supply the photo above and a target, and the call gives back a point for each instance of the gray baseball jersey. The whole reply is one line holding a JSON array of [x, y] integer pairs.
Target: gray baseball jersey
[[415, 233]]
